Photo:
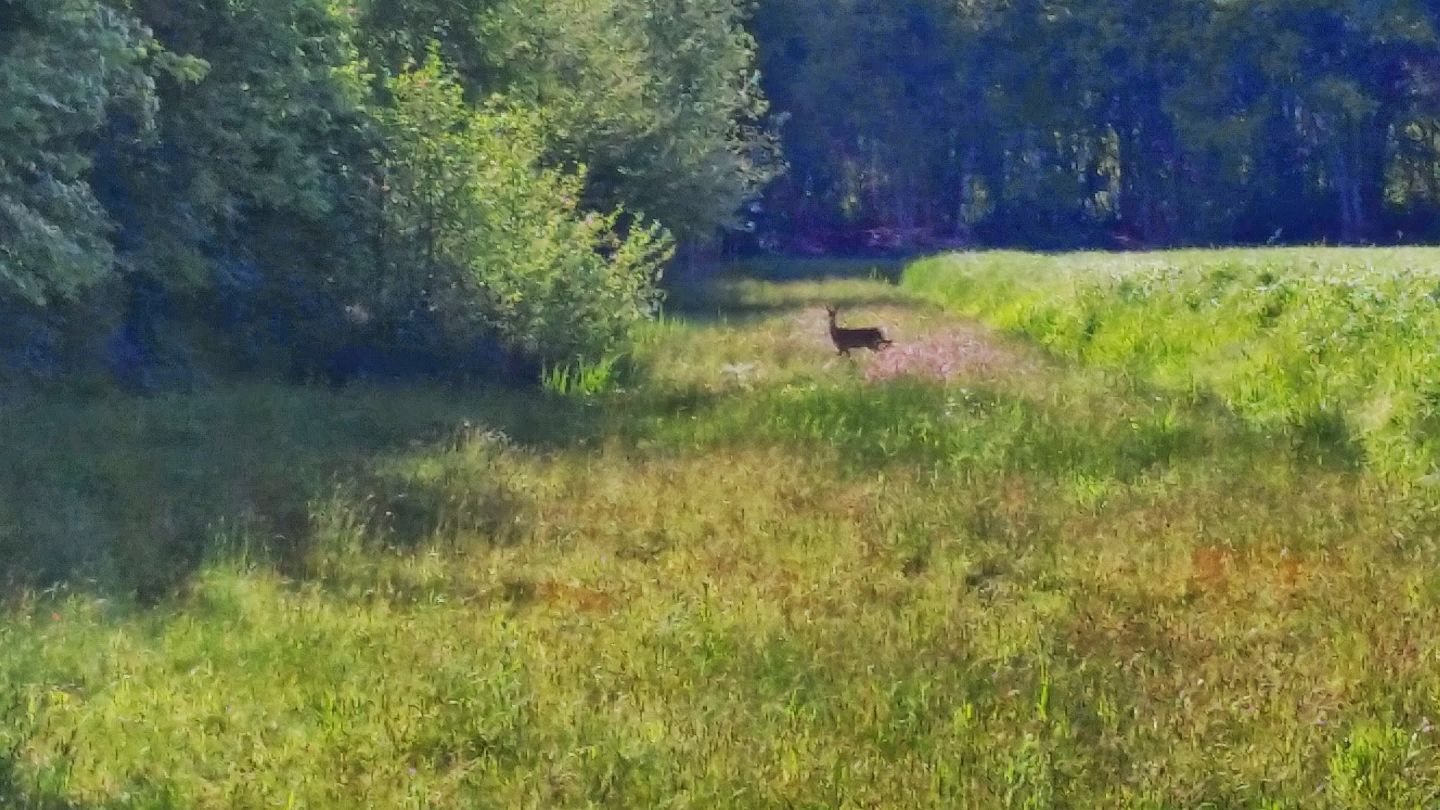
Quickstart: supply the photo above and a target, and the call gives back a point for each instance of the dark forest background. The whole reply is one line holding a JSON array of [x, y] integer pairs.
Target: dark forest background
[[1077, 123], [326, 189]]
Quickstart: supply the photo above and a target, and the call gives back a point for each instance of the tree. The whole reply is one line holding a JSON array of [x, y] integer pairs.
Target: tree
[[64, 66], [1049, 122], [270, 141], [658, 99], [492, 242]]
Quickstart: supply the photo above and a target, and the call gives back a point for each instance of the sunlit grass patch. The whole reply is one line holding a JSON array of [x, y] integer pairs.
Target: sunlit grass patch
[[1335, 345]]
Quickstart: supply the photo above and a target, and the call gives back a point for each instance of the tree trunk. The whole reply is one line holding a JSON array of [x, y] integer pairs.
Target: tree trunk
[[966, 208]]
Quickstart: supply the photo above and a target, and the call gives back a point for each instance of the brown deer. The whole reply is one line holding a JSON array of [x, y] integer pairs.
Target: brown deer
[[847, 339]]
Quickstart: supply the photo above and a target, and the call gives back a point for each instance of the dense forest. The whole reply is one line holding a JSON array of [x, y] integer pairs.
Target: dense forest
[[1062, 123], [326, 188]]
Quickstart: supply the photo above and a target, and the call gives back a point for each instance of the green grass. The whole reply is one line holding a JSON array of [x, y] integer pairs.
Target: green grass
[[733, 570], [1340, 342]]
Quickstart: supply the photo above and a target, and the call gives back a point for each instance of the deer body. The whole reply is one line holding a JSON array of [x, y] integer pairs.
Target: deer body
[[847, 339]]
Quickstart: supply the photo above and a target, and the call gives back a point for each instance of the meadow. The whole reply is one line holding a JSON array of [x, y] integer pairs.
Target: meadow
[[1341, 342], [1097, 532]]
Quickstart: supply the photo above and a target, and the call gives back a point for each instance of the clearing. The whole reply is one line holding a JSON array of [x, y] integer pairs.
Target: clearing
[[739, 571]]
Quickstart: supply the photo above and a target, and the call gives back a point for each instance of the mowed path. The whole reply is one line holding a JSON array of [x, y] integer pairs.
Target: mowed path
[[780, 326]]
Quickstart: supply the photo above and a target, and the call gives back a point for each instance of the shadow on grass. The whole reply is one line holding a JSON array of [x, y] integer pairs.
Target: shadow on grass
[[993, 431], [1324, 438], [16, 794], [129, 495], [13, 794]]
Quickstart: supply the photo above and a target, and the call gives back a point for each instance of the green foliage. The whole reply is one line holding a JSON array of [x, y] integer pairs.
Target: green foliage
[[870, 96], [495, 241], [659, 100], [64, 67], [583, 379], [259, 156], [251, 171], [670, 123], [1072, 123]]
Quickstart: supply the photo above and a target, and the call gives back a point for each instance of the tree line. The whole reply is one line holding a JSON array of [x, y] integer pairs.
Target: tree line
[[1059, 123], [331, 187], [337, 186]]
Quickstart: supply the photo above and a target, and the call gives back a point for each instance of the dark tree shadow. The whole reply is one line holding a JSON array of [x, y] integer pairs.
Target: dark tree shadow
[[129, 495]]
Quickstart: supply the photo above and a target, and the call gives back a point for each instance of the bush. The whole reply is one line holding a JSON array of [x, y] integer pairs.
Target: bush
[[482, 236]]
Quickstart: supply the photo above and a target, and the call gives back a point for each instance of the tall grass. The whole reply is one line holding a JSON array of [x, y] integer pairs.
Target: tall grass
[[584, 379], [1329, 341], [753, 575]]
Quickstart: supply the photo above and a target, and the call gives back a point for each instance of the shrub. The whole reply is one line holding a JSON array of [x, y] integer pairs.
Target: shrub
[[484, 237]]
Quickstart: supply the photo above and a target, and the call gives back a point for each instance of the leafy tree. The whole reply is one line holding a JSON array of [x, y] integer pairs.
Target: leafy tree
[[658, 99], [493, 242], [1050, 122], [64, 66], [269, 142]]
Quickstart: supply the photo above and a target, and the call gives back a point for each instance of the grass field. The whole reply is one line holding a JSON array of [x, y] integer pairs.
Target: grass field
[[1340, 342], [1012, 568]]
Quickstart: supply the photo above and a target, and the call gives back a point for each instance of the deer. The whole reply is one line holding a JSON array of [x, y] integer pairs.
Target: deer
[[847, 339]]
